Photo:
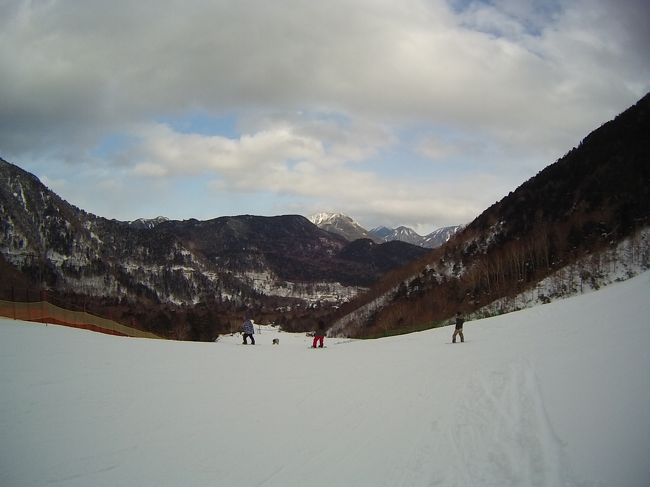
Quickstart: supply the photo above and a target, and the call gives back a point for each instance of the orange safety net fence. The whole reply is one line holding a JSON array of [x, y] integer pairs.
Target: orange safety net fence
[[44, 312]]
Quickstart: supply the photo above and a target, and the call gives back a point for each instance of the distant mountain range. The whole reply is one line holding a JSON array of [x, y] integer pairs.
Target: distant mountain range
[[351, 230], [239, 261]]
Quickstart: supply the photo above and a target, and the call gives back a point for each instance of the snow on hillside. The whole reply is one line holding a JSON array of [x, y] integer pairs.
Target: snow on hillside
[[627, 259], [555, 395], [323, 217]]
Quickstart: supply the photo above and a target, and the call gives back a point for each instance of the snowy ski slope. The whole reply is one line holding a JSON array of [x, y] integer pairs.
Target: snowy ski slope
[[556, 395]]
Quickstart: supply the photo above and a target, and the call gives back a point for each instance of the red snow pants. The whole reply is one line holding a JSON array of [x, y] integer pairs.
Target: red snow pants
[[318, 338]]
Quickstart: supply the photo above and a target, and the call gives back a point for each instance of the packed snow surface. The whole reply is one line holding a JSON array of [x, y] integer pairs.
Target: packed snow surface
[[556, 395]]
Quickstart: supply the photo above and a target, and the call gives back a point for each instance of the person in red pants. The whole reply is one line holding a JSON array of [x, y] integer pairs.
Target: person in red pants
[[319, 335]]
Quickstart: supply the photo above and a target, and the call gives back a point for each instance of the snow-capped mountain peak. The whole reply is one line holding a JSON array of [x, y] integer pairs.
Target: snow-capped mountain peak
[[351, 230], [440, 236], [382, 232], [406, 234], [402, 233], [329, 218], [340, 224]]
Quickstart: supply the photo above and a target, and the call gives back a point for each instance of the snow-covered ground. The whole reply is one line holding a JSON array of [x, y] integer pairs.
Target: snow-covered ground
[[556, 395]]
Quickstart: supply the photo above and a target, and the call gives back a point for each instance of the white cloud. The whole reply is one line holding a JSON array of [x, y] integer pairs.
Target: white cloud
[[282, 156], [321, 91], [394, 59], [149, 169], [436, 148], [315, 162]]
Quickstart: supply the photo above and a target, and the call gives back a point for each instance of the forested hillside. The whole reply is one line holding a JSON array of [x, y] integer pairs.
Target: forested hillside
[[591, 199]]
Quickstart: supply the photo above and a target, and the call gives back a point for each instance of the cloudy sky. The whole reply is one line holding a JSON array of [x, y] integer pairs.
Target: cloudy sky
[[414, 112]]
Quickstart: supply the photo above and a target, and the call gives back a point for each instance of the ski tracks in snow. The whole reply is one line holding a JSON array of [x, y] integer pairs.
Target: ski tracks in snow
[[500, 434]]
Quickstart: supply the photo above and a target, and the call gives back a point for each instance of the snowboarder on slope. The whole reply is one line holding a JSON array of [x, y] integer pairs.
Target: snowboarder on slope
[[319, 335], [459, 328], [248, 330]]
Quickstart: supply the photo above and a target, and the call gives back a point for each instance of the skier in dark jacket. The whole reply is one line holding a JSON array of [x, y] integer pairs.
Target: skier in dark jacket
[[459, 328], [248, 330], [319, 335]]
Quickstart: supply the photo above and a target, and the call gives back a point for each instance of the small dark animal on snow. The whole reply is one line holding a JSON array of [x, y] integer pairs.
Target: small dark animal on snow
[[276, 341]]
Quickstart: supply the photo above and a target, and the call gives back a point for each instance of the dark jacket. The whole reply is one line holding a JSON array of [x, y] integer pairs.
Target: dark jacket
[[321, 330], [248, 327], [459, 322]]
